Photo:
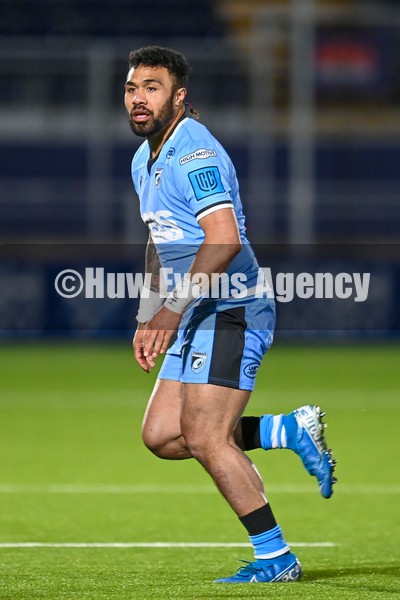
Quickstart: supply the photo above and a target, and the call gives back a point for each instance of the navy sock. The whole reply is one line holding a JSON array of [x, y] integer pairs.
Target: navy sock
[[250, 432]]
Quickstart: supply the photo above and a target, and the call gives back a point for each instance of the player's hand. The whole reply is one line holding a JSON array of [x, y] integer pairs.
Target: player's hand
[[138, 346], [158, 333]]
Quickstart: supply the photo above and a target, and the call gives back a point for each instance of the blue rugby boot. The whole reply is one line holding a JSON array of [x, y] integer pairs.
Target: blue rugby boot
[[312, 448], [282, 568]]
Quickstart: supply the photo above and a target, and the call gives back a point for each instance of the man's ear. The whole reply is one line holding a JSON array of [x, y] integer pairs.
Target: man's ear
[[180, 96]]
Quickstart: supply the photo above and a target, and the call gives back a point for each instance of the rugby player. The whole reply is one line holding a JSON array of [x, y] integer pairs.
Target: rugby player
[[189, 198]]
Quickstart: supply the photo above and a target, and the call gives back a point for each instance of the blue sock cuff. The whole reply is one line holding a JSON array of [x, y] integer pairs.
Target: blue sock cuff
[[290, 424], [269, 542], [278, 431], [266, 423], [266, 536]]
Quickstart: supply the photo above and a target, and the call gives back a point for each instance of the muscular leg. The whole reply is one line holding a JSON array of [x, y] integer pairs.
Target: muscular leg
[[209, 416], [199, 421], [161, 430]]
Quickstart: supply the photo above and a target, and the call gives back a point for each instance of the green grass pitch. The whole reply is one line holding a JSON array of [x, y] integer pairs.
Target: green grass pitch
[[73, 470]]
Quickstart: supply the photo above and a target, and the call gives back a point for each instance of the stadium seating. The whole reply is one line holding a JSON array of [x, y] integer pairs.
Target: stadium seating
[[91, 18]]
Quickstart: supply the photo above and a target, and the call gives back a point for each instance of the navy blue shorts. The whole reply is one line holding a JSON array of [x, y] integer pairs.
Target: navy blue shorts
[[221, 342]]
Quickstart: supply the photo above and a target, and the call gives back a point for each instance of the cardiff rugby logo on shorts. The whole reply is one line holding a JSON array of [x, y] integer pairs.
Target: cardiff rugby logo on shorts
[[251, 369], [198, 361]]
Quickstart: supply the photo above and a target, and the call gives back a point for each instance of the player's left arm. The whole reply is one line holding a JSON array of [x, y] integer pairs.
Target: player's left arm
[[221, 242], [220, 245]]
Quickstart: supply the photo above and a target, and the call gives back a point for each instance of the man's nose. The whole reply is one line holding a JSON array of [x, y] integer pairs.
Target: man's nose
[[138, 98]]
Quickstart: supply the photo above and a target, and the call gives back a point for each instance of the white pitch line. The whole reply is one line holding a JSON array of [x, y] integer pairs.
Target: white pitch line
[[105, 489], [153, 545], [185, 489]]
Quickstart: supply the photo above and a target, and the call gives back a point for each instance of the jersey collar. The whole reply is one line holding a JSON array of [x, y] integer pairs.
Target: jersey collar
[[178, 125]]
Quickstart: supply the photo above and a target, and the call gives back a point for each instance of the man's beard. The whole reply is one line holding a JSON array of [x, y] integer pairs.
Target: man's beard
[[154, 124]]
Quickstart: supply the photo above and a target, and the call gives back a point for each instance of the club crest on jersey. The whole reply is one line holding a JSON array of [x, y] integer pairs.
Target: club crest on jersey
[[157, 177], [198, 361]]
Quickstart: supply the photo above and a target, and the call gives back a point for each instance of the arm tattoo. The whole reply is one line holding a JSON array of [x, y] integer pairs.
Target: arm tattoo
[[152, 265]]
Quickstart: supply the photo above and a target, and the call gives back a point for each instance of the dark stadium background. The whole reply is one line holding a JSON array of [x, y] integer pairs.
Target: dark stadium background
[[305, 101]]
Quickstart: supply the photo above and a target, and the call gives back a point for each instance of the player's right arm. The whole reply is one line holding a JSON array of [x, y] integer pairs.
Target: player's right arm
[[148, 306]]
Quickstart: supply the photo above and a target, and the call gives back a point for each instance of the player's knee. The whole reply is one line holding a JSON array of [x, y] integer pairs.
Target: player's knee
[[198, 443], [154, 442], [158, 449], [162, 445]]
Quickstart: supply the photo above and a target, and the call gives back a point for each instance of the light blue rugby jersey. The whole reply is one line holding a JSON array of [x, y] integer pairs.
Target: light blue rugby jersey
[[192, 177]]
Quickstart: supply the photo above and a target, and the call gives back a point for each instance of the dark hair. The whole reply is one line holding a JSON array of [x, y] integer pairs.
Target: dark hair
[[157, 56]]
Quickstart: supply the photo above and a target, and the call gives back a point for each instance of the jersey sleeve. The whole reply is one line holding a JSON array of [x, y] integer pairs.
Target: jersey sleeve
[[202, 177]]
